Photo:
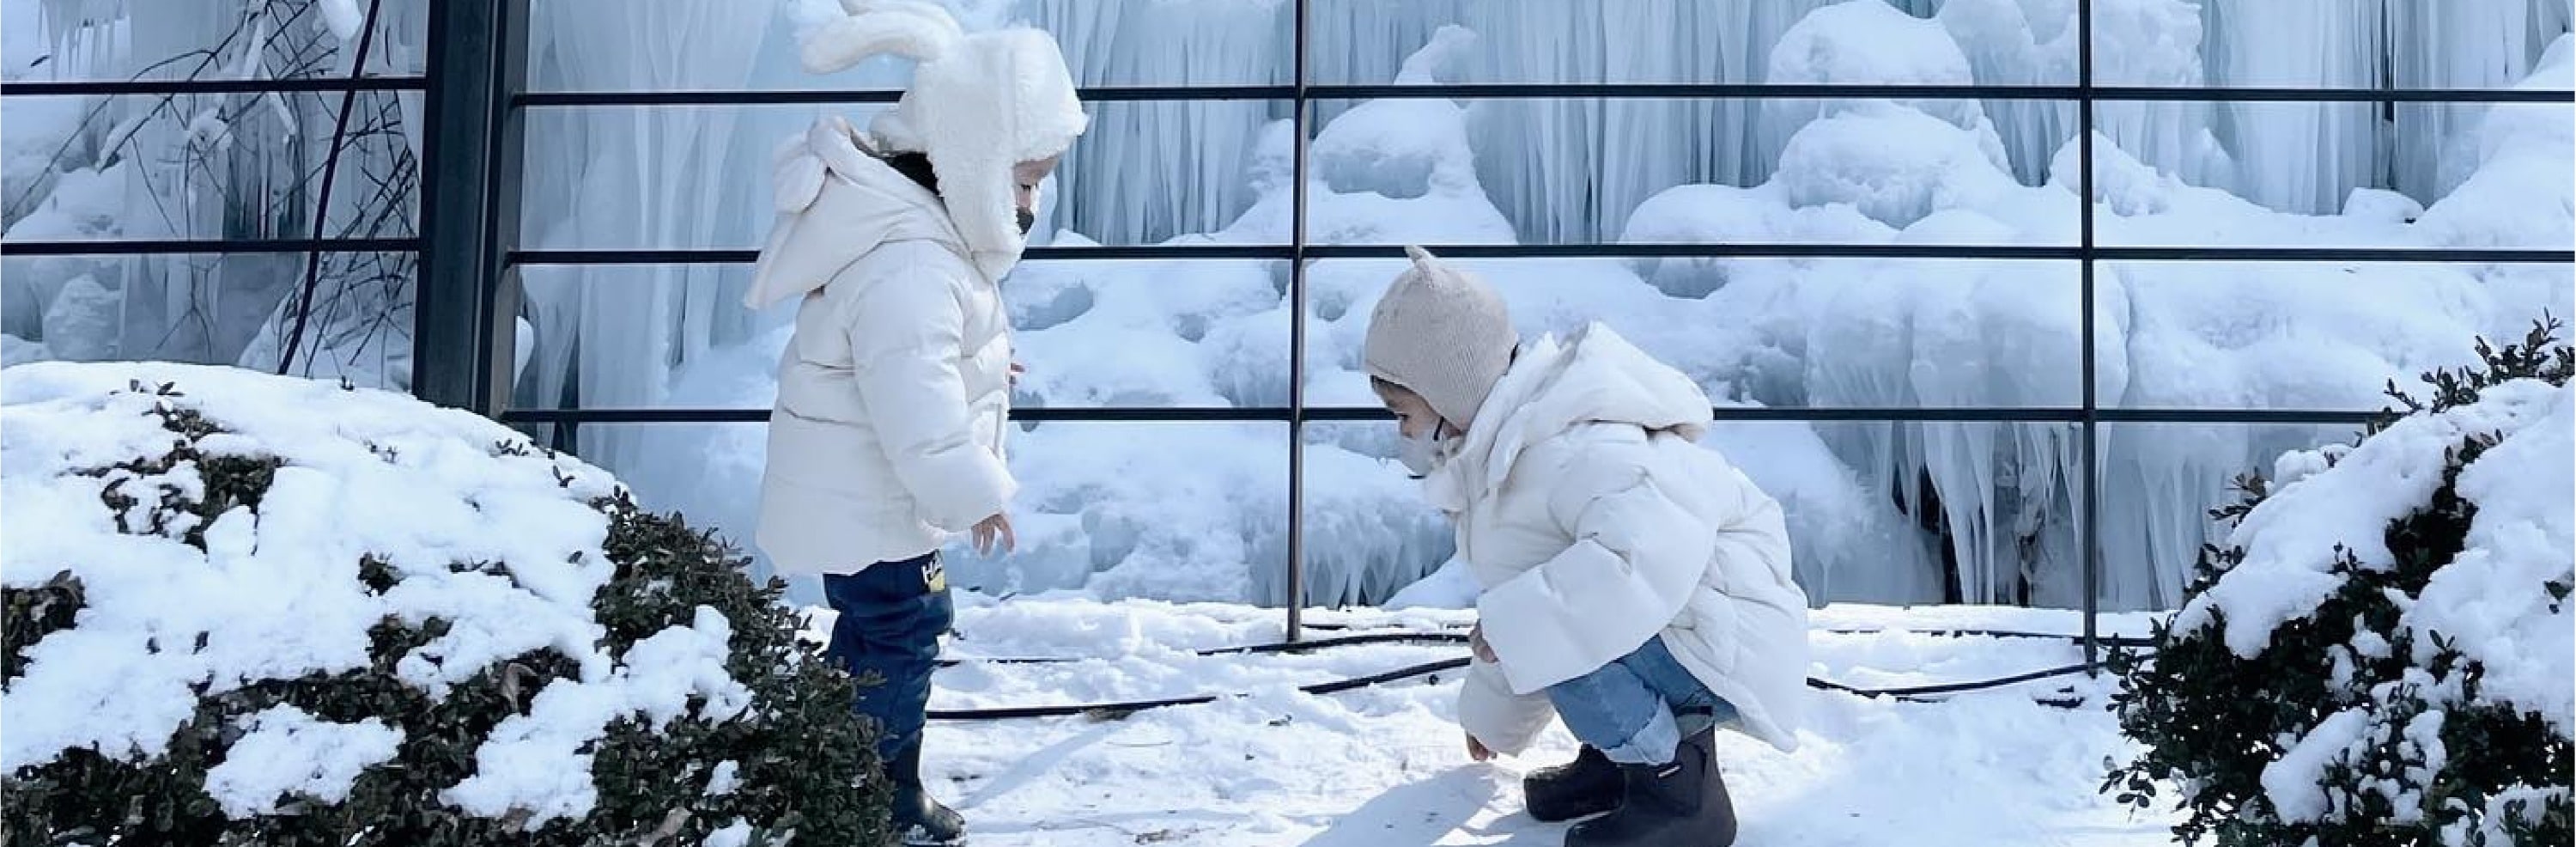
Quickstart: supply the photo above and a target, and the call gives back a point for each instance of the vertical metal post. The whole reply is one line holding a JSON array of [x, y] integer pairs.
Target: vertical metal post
[[496, 368], [1297, 342], [2091, 509], [477, 54], [445, 328]]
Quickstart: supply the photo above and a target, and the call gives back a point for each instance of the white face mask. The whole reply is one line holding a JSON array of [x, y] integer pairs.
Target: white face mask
[[1425, 453]]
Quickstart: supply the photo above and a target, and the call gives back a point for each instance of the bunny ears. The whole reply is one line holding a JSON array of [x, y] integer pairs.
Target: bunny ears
[[913, 29], [978, 103]]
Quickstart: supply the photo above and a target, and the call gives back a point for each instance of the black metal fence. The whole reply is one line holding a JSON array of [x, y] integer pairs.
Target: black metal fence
[[477, 104]]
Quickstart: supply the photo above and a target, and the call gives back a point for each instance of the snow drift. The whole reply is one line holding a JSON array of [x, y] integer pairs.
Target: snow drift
[[2397, 612], [332, 607]]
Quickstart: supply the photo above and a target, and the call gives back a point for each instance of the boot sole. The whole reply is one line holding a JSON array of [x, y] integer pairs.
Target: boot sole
[[1562, 816]]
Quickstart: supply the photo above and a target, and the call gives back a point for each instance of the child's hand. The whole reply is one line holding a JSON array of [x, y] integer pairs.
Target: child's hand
[[1476, 749], [1476, 642], [995, 532]]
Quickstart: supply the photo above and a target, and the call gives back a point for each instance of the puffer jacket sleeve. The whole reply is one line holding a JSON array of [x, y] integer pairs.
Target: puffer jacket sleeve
[[905, 333], [1505, 722], [1636, 560]]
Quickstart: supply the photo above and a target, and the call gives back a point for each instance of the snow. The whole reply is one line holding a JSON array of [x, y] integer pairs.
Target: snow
[[2424, 734], [2494, 600], [2296, 535], [287, 751], [19, 351], [736, 834], [1846, 159], [2521, 186], [538, 762], [344, 18], [2294, 781], [2500, 808], [1866, 42], [276, 593], [2487, 601], [726, 777], [1773, 333], [1759, 332], [1385, 766]]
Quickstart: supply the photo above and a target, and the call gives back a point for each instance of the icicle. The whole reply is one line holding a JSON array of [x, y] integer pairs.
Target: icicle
[[2300, 157], [645, 177], [2457, 44], [1167, 168]]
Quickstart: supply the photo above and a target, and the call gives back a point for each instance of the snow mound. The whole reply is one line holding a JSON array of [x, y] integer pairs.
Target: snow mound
[[275, 593], [1846, 159], [336, 570], [2294, 538], [1867, 42], [2523, 191], [2524, 535], [20, 351], [287, 750]]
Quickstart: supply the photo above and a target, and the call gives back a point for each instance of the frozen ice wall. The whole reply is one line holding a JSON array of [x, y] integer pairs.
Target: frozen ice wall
[[1970, 511], [224, 166]]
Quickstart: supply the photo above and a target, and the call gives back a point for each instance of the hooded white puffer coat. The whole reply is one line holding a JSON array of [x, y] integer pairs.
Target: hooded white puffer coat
[[1594, 521], [894, 395]]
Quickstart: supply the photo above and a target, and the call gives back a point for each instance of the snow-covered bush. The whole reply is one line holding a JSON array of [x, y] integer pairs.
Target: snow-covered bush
[[2382, 651], [245, 609]]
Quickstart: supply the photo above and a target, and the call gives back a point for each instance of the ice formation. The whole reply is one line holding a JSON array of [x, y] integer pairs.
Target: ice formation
[[1882, 511]]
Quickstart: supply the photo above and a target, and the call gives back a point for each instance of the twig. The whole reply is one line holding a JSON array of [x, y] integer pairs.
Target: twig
[[322, 205]]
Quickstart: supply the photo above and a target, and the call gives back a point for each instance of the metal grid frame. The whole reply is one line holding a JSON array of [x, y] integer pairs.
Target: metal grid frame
[[477, 100], [312, 247]]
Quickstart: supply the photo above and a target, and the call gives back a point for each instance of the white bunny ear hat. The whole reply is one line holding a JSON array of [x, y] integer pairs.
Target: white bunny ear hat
[[979, 104]]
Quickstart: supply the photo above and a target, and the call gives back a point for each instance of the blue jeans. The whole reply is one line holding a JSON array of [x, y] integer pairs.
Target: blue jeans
[[887, 637], [1638, 709]]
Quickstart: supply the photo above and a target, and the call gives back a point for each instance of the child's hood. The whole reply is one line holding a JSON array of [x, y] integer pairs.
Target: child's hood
[[1592, 376], [836, 202]]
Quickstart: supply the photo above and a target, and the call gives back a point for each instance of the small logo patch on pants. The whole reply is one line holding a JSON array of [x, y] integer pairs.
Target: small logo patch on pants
[[934, 575]]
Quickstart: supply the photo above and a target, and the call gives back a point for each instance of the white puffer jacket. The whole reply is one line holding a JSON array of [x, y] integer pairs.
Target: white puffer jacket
[[895, 392], [1594, 522]]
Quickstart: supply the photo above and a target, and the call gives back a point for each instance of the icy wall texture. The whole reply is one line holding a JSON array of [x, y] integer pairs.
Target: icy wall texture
[[1892, 512], [232, 166]]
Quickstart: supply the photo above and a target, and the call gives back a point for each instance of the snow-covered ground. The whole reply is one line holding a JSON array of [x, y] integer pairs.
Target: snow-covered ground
[[1385, 766], [1881, 512]]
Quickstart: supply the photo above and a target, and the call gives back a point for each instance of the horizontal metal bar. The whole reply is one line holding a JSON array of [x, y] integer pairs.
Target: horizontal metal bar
[[1615, 250], [2231, 94], [1202, 414], [174, 87], [1282, 252], [2413, 255], [207, 246], [855, 96], [2234, 416], [1025, 415], [2019, 252], [1584, 91], [738, 256], [2069, 93]]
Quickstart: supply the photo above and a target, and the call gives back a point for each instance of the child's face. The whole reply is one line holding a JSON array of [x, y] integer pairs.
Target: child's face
[[1413, 415], [1025, 177]]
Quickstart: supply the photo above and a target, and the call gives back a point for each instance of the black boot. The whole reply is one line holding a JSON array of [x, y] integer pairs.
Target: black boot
[[920, 821], [1587, 786], [1682, 804]]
